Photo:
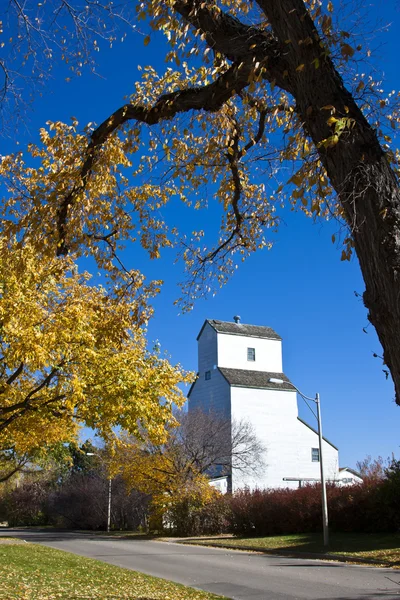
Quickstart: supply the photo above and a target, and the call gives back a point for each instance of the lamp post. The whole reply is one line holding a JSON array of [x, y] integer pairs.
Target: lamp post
[[325, 522], [109, 495]]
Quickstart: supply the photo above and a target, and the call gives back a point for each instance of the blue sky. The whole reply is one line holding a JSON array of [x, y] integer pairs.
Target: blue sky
[[300, 287]]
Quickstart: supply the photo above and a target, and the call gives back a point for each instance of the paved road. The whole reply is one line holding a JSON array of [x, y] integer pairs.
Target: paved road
[[237, 575]]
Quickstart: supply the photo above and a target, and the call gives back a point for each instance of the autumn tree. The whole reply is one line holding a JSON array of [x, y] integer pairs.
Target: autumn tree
[[74, 354], [176, 473], [248, 87], [376, 469], [73, 347]]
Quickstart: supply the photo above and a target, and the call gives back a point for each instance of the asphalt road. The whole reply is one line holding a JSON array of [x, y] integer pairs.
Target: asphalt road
[[237, 575]]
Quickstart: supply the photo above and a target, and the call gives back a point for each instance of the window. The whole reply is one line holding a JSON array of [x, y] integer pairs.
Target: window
[[315, 454], [207, 375], [251, 354]]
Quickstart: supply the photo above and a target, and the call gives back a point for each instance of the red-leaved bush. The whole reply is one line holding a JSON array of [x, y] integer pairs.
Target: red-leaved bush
[[368, 507], [371, 506]]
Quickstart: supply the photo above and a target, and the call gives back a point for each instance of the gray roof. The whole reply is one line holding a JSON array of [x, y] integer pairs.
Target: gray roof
[[255, 379], [259, 331], [352, 471]]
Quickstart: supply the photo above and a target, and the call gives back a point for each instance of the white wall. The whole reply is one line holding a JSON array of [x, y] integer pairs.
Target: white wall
[[211, 395], [221, 484], [309, 439], [348, 478], [232, 353], [207, 349], [288, 442]]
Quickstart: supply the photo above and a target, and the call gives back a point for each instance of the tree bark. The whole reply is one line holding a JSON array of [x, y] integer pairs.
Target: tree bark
[[357, 167]]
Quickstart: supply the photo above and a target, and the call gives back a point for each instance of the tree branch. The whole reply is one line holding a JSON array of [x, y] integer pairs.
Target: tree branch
[[209, 98], [235, 40], [15, 375]]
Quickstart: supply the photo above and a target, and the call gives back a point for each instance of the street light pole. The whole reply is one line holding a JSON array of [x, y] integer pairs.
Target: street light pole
[[109, 506], [325, 521], [109, 495]]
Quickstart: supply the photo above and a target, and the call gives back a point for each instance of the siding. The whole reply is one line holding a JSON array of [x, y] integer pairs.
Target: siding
[[288, 441], [207, 349], [211, 395], [232, 353]]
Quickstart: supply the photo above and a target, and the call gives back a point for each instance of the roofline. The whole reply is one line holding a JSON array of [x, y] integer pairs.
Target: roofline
[[226, 379], [352, 471], [259, 337], [192, 386], [202, 327], [315, 431], [276, 337], [263, 387], [273, 386]]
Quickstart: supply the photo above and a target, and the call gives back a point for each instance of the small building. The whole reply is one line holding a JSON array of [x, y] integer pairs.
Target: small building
[[237, 366], [349, 476]]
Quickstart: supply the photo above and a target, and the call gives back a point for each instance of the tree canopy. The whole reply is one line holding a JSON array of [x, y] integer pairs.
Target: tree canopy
[[201, 445], [248, 88], [74, 353]]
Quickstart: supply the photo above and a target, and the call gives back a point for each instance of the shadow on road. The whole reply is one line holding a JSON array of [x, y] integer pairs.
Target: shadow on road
[[50, 533], [363, 596]]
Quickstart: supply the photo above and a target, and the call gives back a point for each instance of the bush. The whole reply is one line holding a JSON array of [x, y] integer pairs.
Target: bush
[[80, 501], [368, 507], [184, 519], [273, 512], [25, 504]]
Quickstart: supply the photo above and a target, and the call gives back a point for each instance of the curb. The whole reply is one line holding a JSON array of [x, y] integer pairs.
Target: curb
[[306, 555]]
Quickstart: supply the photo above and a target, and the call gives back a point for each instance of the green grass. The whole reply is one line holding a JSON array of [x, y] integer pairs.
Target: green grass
[[384, 547], [32, 572]]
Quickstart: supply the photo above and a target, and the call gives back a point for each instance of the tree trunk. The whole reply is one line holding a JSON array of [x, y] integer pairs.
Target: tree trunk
[[356, 165]]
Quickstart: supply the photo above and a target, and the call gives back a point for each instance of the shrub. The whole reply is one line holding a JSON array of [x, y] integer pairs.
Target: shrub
[[368, 507], [185, 519], [26, 503], [79, 501], [82, 502]]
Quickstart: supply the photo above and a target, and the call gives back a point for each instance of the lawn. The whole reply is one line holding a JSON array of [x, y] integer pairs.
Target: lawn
[[32, 572], [384, 548]]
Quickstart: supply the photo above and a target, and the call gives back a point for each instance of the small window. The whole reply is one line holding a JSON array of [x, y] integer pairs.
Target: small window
[[251, 354], [207, 375], [315, 454]]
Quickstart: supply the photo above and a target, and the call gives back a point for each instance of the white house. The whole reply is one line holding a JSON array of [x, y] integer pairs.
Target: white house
[[236, 363], [348, 476]]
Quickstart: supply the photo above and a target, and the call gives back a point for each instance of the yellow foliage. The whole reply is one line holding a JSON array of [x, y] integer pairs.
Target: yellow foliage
[[162, 471], [235, 154], [74, 353]]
